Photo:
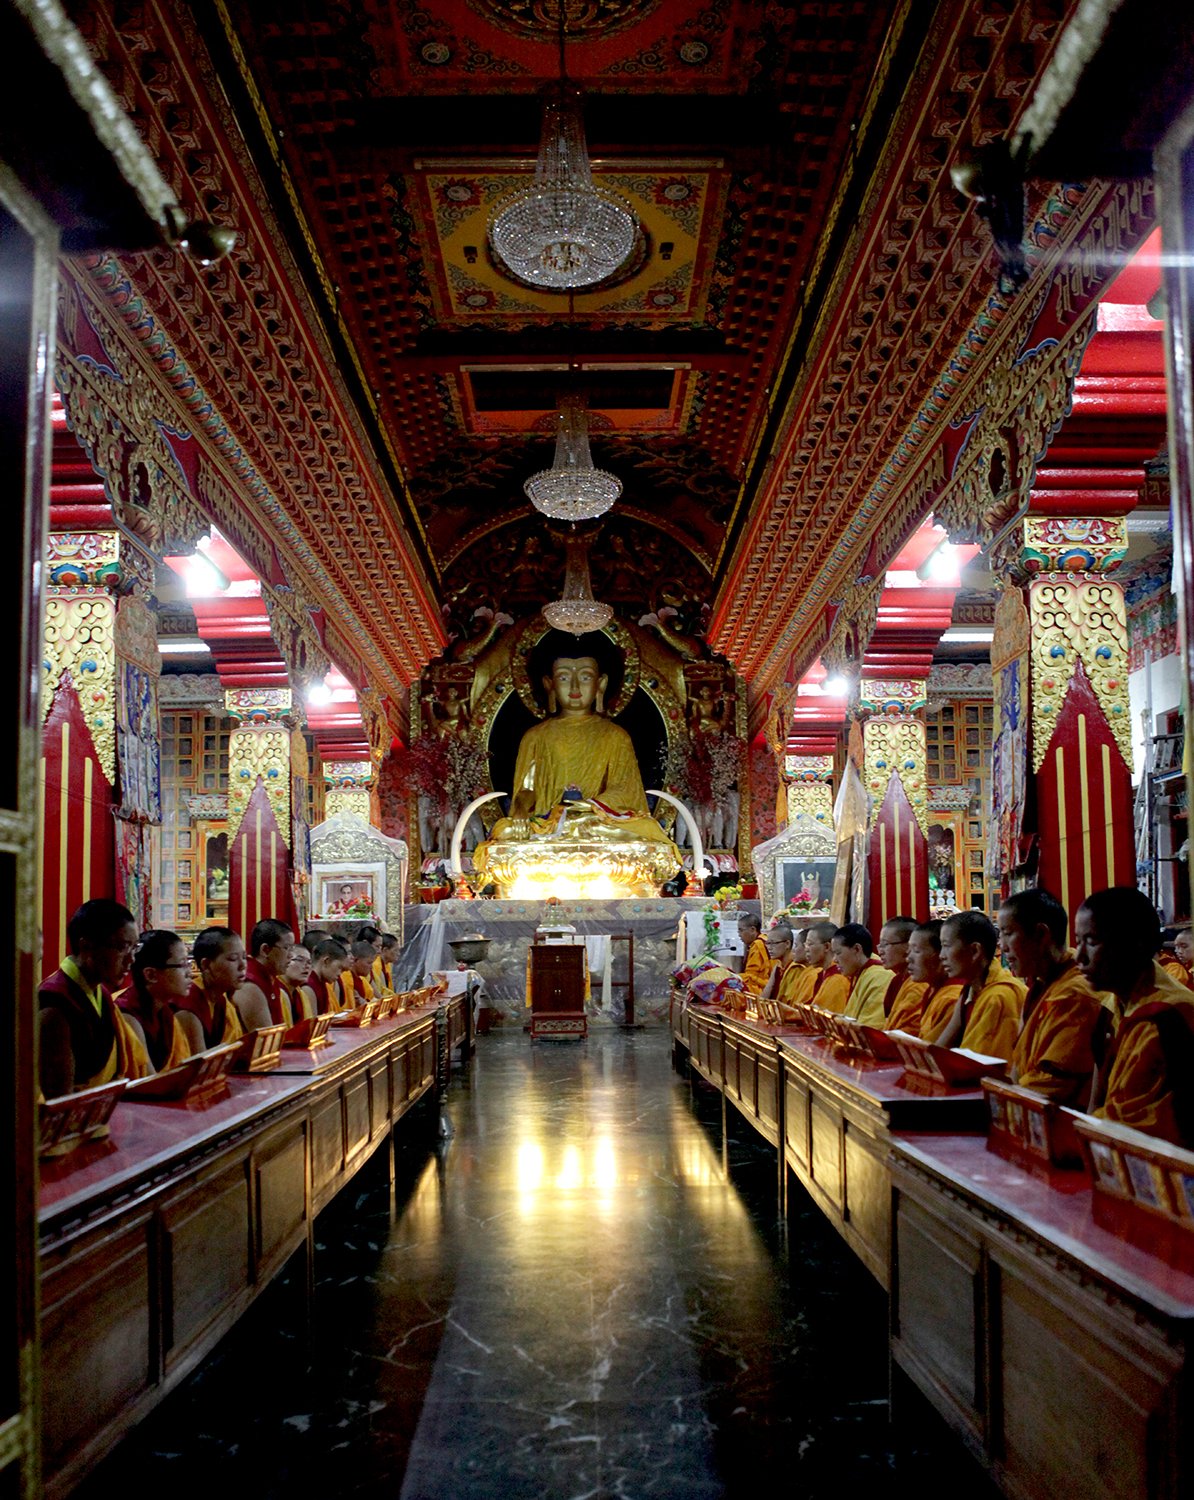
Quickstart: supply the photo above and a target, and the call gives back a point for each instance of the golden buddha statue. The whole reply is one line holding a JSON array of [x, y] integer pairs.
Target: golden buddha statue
[[578, 824]]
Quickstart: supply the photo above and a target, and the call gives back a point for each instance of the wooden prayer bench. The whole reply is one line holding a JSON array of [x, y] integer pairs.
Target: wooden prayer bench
[[833, 1116], [154, 1243], [838, 1119], [1057, 1350]]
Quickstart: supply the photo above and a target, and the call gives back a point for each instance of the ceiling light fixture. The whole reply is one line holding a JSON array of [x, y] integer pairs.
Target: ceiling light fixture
[[204, 580], [577, 612], [319, 695], [941, 565], [562, 233], [572, 489], [836, 686]]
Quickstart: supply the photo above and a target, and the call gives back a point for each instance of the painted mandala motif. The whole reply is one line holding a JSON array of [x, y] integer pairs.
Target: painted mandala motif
[[582, 18]]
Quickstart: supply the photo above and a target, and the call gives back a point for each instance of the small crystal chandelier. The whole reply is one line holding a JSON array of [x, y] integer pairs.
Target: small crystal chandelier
[[563, 233], [577, 612], [572, 489]]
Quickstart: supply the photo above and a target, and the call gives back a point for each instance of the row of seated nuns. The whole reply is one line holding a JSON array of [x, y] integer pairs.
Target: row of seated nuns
[[1106, 1027], [124, 1005]]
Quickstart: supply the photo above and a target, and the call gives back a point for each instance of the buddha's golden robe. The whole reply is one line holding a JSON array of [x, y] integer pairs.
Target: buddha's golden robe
[[1141, 1088], [992, 1014], [593, 755], [868, 990], [938, 1008], [758, 967], [907, 1007], [1053, 1053]]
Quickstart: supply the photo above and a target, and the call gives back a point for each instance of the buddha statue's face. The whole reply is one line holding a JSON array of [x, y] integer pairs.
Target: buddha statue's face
[[576, 681]]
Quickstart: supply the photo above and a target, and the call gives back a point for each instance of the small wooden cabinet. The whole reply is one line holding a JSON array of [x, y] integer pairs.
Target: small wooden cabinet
[[557, 981]]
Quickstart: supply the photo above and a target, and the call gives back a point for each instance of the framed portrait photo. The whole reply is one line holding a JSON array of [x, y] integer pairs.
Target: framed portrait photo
[[348, 889]]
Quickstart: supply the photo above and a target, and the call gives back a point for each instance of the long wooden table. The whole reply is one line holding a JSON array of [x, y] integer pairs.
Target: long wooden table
[[833, 1117], [1058, 1351], [155, 1242]]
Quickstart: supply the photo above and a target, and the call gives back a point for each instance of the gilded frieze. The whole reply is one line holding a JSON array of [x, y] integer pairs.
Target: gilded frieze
[[1080, 619], [256, 705], [79, 638], [254, 753], [348, 799], [895, 746], [1074, 544]]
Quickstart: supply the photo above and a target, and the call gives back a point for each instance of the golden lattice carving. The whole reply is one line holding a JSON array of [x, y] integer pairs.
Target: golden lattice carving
[[895, 746], [349, 799], [812, 797], [1082, 619], [79, 638], [253, 753]]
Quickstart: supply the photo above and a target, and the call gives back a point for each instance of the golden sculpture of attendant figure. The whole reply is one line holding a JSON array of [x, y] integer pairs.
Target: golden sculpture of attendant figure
[[577, 779]]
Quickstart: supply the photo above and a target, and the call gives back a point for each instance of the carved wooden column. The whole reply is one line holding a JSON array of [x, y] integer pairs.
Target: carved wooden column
[[268, 844], [894, 773], [350, 786], [1062, 784], [100, 780], [808, 784], [78, 759]]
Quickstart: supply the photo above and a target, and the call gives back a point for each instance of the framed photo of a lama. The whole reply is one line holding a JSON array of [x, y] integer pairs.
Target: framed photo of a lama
[[349, 889]]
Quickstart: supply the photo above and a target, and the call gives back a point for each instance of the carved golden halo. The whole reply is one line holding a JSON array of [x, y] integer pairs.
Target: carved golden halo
[[533, 632]]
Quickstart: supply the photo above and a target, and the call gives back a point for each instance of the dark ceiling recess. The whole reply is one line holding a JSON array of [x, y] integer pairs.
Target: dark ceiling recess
[[538, 390]]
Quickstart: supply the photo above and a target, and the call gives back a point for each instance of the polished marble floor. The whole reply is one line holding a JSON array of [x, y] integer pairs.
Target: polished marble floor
[[581, 1294]]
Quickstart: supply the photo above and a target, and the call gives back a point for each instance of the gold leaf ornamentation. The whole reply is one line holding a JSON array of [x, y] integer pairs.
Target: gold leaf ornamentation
[[263, 753], [79, 638], [1072, 620], [895, 746]]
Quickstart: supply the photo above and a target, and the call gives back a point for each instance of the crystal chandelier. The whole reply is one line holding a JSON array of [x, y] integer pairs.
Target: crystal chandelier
[[572, 489], [577, 612], [563, 233]]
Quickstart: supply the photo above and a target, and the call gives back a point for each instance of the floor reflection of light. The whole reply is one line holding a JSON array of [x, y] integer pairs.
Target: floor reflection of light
[[423, 1207], [567, 1174], [695, 1161], [605, 1166], [570, 1176], [530, 1167]]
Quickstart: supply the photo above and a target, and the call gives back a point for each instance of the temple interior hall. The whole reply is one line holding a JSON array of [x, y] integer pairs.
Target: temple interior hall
[[594, 853]]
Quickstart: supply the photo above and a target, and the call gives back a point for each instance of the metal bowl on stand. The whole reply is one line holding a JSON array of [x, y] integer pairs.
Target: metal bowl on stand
[[470, 949]]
